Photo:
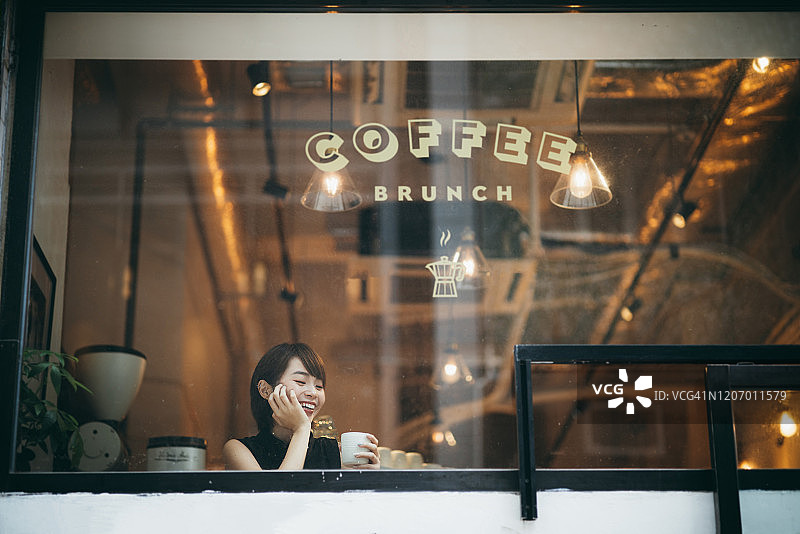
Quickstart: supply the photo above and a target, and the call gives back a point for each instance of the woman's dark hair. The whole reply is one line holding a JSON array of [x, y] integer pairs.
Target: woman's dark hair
[[270, 368]]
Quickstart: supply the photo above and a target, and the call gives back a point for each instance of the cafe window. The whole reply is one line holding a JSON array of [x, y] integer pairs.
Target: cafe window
[[186, 220]]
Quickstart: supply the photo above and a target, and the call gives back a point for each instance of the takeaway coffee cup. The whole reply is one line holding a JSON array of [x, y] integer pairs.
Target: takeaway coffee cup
[[350, 447]]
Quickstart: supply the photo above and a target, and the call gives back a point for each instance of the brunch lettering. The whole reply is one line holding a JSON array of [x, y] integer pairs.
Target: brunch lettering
[[376, 143]]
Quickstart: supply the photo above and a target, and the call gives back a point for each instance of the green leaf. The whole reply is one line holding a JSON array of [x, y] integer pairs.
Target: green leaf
[[74, 383], [66, 422], [76, 449], [38, 368], [55, 378], [41, 423], [49, 417], [60, 358], [27, 395]]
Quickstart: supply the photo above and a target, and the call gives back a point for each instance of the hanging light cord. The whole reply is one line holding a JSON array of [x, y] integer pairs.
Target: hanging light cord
[[577, 100], [464, 104], [330, 81]]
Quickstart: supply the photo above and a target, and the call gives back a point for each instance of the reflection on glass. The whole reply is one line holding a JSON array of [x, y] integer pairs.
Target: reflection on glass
[[608, 416], [469, 254], [214, 254], [766, 430], [331, 191], [788, 425], [761, 64], [584, 186]]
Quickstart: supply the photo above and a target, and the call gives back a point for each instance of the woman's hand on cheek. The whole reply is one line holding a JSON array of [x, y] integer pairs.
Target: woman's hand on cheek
[[286, 410]]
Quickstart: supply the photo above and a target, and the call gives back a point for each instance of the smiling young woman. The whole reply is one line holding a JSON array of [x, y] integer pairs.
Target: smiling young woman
[[287, 390]]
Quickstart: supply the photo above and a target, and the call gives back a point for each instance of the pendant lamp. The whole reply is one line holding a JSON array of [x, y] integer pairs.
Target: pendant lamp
[[331, 191], [469, 254], [259, 78], [682, 214], [455, 368], [584, 186]]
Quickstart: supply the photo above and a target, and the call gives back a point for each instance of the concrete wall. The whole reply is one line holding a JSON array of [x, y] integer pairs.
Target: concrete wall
[[387, 513]]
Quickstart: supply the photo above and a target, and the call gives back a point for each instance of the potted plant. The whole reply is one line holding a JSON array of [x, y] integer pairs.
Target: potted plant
[[41, 423]]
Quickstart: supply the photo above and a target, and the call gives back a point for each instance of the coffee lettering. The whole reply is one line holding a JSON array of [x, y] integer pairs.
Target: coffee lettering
[[466, 136], [375, 142], [510, 143], [554, 152], [423, 134], [322, 150]]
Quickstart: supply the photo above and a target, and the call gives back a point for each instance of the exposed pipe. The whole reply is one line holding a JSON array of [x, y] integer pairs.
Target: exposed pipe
[[274, 189], [132, 277], [142, 128]]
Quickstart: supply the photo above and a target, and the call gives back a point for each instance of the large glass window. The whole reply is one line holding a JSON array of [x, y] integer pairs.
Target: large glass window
[[170, 205]]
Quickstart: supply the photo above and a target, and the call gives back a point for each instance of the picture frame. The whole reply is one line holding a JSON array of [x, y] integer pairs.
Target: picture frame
[[41, 296]]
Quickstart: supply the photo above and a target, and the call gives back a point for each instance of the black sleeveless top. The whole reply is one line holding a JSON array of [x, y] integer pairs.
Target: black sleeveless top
[[269, 451]]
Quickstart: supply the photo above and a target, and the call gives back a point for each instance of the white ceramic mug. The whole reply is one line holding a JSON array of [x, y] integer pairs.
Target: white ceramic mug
[[399, 460], [414, 460], [385, 456], [350, 442]]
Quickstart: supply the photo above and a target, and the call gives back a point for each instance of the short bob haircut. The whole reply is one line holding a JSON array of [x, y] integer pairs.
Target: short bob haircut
[[271, 367]]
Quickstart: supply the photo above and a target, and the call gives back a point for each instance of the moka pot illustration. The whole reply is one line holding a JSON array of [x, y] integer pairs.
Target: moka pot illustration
[[446, 273]]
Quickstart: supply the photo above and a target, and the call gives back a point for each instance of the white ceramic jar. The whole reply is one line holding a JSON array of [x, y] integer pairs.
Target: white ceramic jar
[[176, 453]]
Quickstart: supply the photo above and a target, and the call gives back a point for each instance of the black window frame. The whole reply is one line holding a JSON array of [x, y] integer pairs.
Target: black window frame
[[28, 30], [727, 367]]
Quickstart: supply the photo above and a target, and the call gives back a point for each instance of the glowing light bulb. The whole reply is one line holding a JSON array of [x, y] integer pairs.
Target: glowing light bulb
[[626, 314], [745, 465], [454, 367], [261, 88], [679, 220], [330, 191], [629, 310], [469, 267], [469, 254], [788, 425], [333, 184], [580, 184], [450, 371], [761, 64], [584, 186], [437, 436]]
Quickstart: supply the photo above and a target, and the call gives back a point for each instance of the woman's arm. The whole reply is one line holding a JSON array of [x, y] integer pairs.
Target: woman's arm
[[238, 457], [288, 413], [296, 453]]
